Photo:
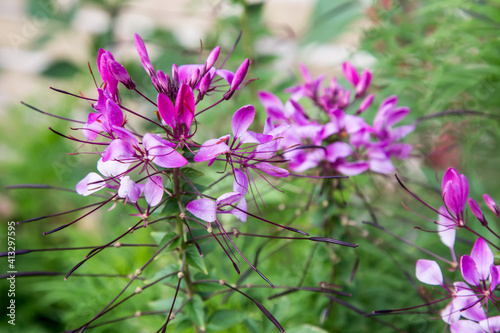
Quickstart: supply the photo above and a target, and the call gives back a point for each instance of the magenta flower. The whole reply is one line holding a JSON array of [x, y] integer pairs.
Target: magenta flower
[[126, 149], [455, 192], [109, 115], [93, 182], [207, 209], [479, 267], [464, 302], [491, 204]]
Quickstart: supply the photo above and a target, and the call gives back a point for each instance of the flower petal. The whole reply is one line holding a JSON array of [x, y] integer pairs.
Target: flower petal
[[166, 110], [465, 326], [240, 184], [211, 149], [242, 119], [428, 272], [161, 153], [90, 184], [483, 257], [469, 270], [204, 209], [153, 191], [491, 324]]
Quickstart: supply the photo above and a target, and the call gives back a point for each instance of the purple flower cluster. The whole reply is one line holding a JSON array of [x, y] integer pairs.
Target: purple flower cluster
[[123, 151], [339, 139]]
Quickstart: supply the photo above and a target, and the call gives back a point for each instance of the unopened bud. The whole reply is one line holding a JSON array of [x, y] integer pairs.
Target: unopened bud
[[138, 290], [491, 204], [365, 104], [175, 74], [117, 244], [222, 282], [180, 275], [474, 207], [120, 74], [239, 76], [137, 272], [212, 58], [210, 230]]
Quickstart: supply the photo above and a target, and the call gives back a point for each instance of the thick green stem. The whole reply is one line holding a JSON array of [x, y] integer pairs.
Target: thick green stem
[[179, 224]]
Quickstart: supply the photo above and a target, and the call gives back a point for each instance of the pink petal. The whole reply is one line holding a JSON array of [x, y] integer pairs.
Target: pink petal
[[428, 272], [491, 204], [491, 324], [119, 150], [272, 170], [160, 151], [211, 149], [166, 110], [350, 73], [112, 168], [476, 210], [242, 119], [450, 314], [465, 326], [469, 305], [494, 277], [446, 228], [469, 270], [212, 57], [90, 184], [338, 150], [143, 54], [353, 168], [240, 183], [204, 209], [228, 198], [240, 74], [396, 115], [366, 103], [153, 191], [185, 104], [113, 114], [272, 105], [483, 257], [240, 213], [129, 189]]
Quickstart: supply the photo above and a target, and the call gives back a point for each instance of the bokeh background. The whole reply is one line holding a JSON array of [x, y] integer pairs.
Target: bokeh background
[[442, 59]]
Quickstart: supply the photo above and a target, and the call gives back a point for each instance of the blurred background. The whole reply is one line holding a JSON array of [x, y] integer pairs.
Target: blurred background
[[442, 59]]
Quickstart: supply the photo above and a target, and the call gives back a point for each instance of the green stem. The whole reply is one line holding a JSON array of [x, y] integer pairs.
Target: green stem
[[179, 225]]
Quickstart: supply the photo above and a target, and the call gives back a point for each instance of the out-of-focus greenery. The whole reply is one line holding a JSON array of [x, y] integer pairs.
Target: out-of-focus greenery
[[435, 57]]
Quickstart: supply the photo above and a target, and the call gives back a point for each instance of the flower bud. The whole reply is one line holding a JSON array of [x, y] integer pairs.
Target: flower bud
[[120, 74], [364, 83], [491, 204], [474, 207], [212, 58], [365, 104], [239, 76]]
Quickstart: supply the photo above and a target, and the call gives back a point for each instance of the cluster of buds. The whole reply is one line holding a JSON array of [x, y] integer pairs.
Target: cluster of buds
[[339, 139]]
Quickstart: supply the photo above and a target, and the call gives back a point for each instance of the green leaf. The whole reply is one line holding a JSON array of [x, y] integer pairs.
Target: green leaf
[[194, 259], [167, 270], [194, 310], [171, 207], [158, 236], [167, 238], [224, 319], [191, 173]]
